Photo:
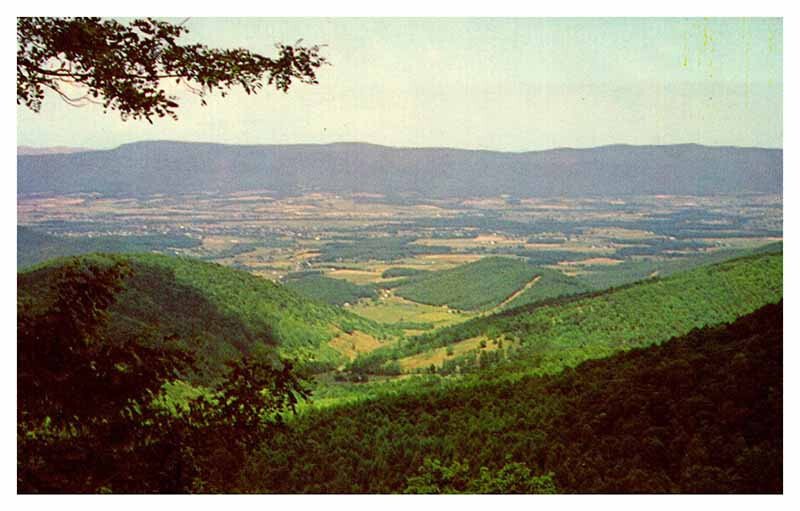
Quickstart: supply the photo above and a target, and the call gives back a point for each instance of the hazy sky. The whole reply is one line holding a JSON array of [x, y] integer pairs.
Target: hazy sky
[[505, 84]]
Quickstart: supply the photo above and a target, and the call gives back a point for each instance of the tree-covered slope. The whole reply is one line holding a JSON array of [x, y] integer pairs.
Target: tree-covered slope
[[632, 270], [329, 290], [219, 310], [551, 284], [487, 283], [549, 335], [698, 414]]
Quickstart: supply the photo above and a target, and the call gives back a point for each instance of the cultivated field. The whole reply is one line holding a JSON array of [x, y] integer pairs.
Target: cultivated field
[[359, 238]]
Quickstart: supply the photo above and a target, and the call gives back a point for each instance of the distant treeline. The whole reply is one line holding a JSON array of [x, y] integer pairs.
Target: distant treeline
[[34, 247], [387, 248]]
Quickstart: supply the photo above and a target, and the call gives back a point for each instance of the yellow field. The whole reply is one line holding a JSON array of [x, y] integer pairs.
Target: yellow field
[[741, 242], [449, 259], [355, 276], [439, 355], [574, 246], [369, 273], [594, 261], [620, 232], [215, 243], [485, 203], [394, 309], [482, 240], [351, 345], [430, 262]]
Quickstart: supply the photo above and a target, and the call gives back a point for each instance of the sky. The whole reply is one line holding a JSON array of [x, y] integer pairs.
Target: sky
[[507, 84]]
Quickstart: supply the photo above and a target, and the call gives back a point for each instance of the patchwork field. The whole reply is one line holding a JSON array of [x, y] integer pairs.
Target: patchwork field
[[436, 357], [392, 309], [355, 343], [559, 246], [355, 276]]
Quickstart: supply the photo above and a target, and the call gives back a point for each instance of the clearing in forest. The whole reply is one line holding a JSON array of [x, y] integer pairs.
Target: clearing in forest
[[355, 343], [437, 356]]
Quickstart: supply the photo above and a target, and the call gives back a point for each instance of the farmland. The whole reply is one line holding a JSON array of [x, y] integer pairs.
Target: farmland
[[415, 264]]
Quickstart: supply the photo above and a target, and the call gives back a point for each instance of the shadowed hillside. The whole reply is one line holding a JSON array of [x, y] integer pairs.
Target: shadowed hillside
[[698, 414], [220, 312]]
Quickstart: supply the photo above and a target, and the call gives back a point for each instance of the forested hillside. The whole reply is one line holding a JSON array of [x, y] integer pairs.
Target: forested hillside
[[549, 335], [487, 283], [697, 414], [219, 311], [325, 289]]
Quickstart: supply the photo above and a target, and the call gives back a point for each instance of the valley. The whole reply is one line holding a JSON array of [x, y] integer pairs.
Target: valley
[[405, 303], [418, 272]]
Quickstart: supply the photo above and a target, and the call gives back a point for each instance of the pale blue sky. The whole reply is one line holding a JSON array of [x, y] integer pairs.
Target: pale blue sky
[[505, 84]]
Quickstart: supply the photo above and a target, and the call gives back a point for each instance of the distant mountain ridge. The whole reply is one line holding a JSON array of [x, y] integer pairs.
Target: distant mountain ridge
[[178, 167], [27, 150]]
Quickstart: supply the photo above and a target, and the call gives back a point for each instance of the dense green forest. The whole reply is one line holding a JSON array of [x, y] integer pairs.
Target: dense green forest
[[632, 270], [486, 283], [697, 414], [329, 290], [385, 248], [34, 247], [559, 332], [218, 311], [551, 284]]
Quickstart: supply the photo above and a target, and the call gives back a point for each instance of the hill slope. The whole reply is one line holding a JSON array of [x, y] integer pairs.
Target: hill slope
[[697, 414], [552, 334], [329, 290], [175, 167], [487, 283], [220, 311]]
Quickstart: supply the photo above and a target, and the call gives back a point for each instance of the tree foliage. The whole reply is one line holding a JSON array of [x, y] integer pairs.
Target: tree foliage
[[435, 477], [124, 67], [705, 417], [90, 407]]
